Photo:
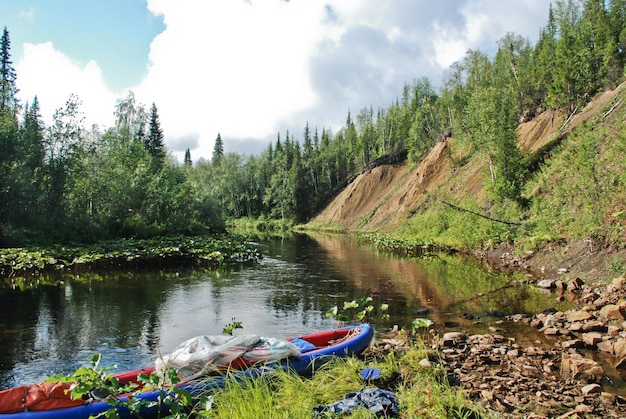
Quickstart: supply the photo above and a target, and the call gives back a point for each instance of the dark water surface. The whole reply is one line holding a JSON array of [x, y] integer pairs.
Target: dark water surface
[[131, 317]]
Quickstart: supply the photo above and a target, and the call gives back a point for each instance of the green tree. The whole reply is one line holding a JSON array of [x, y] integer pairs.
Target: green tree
[[8, 88], [8, 130], [131, 118], [513, 67], [29, 169], [64, 144], [570, 87], [218, 151], [617, 18], [428, 122], [187, 162], [598, 35], [155, 140]]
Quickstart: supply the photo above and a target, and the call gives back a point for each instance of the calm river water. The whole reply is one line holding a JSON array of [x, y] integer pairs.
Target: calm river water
[[131, 317]]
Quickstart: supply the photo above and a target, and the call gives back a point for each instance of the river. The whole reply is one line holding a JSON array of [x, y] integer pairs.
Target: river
[[132, 317]]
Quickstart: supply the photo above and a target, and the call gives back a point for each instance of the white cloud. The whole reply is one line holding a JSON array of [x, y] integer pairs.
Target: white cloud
[[230, 67], [52, 77], [250, 69]]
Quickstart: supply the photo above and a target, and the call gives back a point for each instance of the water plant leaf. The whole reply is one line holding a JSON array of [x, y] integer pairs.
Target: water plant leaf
[[420, 323]]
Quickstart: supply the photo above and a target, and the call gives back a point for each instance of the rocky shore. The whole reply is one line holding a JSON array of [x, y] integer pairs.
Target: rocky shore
[[561, 380]]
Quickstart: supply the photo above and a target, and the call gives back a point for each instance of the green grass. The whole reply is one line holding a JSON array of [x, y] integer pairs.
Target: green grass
[[422, 392]]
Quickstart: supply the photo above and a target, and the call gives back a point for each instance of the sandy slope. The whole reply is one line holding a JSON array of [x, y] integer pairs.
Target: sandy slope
[[381, 197]]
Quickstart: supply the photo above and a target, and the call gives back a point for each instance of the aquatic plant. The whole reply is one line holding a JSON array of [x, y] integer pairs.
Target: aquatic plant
[[206, 251], [360, 311]]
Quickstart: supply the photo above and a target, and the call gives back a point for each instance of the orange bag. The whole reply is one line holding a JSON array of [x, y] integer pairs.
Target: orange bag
[[44, 396]]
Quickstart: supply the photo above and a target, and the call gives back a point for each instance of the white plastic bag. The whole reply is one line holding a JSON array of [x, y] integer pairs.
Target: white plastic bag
[[204, 355]]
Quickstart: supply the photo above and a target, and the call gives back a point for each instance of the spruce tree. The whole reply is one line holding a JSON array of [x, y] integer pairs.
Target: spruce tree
[[154, 142], [218, 151], [8, 89], [8, 132], [187, 161]]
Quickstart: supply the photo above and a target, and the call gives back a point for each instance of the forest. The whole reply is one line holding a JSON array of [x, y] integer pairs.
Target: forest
[[70, 183]]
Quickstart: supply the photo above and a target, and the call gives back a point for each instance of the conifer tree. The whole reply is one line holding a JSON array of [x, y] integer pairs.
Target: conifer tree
[[187, 161], [8, 131], [8, 89], [154, 142], [218, 151]]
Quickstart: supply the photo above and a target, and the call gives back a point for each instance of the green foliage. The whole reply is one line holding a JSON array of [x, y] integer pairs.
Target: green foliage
[[212, 251], [63, 181], [421, 392], [579, 191], [99, 382], [230, 327], [360, 311], [617, 265], [402, 245]]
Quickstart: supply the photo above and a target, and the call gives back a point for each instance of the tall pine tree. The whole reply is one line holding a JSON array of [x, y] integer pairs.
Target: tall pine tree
[[187, 161], [155, 140], [218, 151], [8, 89], [8, 132]]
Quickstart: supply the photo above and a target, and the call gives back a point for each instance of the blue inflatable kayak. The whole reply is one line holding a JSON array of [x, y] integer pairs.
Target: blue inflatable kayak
[[316, 349]]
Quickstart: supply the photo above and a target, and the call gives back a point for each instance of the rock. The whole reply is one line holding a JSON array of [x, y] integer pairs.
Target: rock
[[487, 395], [607, 398], [619, 281], [613, 311], [593, 326], [605, 346], [572, 343], [578, 315], [546, 283], [619, 348], [591, 389], [425, 363], [613, 331], [551, 331], [575, 284], [589, 296], [575, 327], [513, 353], [592, 338], [576, 366], [584, 408], [562, 271], [453, 338], [620, 363]]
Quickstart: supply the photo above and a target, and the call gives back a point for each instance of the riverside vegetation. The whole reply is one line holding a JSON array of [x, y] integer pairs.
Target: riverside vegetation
[[24, 267], [555, 188]]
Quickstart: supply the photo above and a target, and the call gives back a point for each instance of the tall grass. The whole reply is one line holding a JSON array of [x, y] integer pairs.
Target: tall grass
[[423, 392]]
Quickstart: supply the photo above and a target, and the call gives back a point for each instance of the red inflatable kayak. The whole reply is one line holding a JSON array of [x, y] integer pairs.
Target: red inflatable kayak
[[52, 400]]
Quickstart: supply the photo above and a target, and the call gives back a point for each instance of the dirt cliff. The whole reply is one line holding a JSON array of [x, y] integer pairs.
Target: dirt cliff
[[379, 199]]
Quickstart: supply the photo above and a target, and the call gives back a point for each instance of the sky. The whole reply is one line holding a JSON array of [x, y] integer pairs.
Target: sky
[[246, 69]]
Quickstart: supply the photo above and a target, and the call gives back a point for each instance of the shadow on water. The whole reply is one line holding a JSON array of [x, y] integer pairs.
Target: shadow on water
[[132, 317]]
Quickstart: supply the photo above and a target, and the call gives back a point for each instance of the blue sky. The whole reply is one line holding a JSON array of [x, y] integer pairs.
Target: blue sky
[[246, 69], [114, 33]]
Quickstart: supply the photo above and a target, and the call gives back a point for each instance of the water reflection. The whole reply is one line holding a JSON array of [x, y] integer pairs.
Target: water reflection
[[450, 289], [131, 317]]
